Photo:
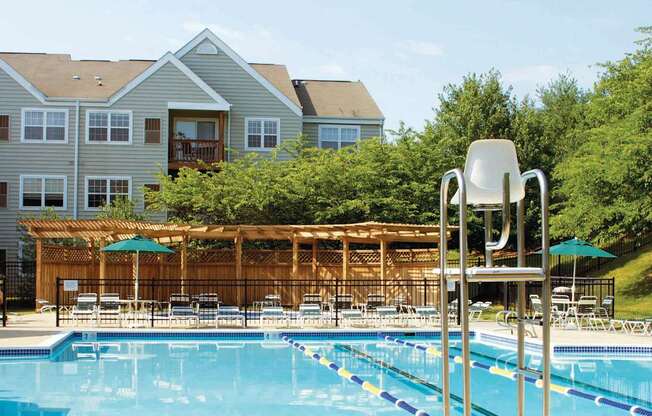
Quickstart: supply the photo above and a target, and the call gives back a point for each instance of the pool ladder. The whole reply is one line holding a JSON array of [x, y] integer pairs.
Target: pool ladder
[[488, 273]]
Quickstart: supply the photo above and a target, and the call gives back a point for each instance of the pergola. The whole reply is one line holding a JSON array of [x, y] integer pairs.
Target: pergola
[[106, 231]]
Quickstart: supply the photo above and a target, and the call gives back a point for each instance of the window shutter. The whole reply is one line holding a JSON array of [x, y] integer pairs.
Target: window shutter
[[3, 194], [4, 127], [152, 130]]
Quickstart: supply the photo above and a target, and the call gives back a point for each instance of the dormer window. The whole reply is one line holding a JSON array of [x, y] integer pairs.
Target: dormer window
[[207, 48]]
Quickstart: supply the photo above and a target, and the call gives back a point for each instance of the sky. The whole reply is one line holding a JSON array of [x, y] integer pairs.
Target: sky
[[405, 52]]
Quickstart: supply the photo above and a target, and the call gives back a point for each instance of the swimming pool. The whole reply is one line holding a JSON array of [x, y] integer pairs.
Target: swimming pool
[[239, 375]]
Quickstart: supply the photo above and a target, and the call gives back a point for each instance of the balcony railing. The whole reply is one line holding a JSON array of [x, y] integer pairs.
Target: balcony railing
[[185, 151]]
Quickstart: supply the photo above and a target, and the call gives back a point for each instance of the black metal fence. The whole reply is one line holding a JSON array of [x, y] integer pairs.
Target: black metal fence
[[3, 287], [249, 295], [19, 289]]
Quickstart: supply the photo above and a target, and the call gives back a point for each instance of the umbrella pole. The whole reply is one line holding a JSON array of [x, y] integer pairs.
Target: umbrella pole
[[574, 271], [137, 272]]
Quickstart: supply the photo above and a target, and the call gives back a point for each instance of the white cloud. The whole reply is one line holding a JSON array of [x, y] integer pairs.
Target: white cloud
[[423, 48]]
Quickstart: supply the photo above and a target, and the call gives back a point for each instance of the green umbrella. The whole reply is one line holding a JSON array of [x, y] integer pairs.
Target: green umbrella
[[578, 248], [137, 245]]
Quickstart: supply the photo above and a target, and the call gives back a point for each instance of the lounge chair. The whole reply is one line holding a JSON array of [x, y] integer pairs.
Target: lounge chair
[[426, 315], [584, 312], [310, 313], [350, 317], [273, 315], [86, 307], [43, 305], [312, 299], [180, 309], [207, 307], [386, 315], [109, 308], [375, 300], [476, 309], [229, 315]]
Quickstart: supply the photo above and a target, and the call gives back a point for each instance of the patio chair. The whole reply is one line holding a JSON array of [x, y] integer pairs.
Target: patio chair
[[476, 309], [207, 307], [350, 317], [109, 308], [43, 305], [229, 315], [180, 309], [537, 307], [584, 312], [86, 307], [426, 315], [312, 299], [273, 315], [386, 315], [310, 312], [272, 300], [374, 300]]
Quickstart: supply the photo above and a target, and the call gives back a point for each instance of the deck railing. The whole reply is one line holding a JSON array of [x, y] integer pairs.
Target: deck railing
[[193, 150]]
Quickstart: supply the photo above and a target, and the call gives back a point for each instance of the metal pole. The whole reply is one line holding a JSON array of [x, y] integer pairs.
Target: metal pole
[[246, 302], [151, 289], [4, 301], [545, 265], [337, 301], [520, 307], [462, 301], [57, 300]]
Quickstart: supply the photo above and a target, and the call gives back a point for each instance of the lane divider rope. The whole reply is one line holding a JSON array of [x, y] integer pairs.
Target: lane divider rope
[[513, 375], [365, 385]]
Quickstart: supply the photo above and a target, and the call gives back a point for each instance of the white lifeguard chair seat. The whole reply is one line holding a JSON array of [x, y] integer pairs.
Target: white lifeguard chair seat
[[495, 274], [487, 161]]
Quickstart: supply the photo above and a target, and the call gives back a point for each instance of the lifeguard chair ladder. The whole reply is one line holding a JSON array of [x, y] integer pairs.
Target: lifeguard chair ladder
[[491, 181]]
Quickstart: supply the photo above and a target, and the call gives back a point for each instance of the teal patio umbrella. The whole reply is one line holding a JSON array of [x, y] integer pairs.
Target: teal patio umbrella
[[578, 248], [137, 244]]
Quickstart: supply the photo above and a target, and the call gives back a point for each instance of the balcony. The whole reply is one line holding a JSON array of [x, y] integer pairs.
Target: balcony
[[192, 153]]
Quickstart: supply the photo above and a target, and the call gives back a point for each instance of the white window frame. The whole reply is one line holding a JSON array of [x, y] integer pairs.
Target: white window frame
[[339, 128], [108, 188], [262, 139], [45, 125], [43, 178], [108, 126]]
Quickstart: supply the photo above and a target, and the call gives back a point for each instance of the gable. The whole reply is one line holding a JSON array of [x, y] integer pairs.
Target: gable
[[230, 61]]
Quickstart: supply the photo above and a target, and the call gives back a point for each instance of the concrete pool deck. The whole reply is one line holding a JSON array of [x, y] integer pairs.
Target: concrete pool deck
[[39, 330]]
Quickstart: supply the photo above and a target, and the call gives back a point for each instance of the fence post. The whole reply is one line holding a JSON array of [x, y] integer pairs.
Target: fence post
[[57, 300], [337, 301], [151, 288], [4, 300], [246, 302], [425, 293]]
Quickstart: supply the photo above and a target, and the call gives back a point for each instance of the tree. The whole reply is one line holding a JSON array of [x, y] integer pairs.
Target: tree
[[119, 209]]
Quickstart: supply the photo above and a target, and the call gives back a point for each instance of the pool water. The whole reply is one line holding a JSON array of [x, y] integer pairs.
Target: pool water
[[215, 377]]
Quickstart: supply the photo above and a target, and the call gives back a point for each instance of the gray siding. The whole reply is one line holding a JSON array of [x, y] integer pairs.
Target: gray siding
[[140, 161], [248, 98], [311, 131], [18, 158]]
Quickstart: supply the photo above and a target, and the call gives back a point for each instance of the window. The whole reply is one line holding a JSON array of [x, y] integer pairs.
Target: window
[[38, 192], [4, 127], [203, 129], [337, 137], [3, 194], [262, 133], [108, 126], [153, 130], [102, 191], [44, 125], [153, 187]]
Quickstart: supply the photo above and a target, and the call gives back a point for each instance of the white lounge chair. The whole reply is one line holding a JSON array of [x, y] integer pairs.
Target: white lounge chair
[[426, 315], [181, 309], [86, 308], [350, 317], [207, 307], [44, 305], [310, 313], [229, 315], [386, 315], [109, 309], [273, 315]]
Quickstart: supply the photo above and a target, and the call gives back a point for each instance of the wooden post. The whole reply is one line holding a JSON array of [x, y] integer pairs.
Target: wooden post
[[383, 264], [220, 129], [345, 258], [102, 273], [238, 261], [314, 259], [38, 247], [184, 263], [295, 258]]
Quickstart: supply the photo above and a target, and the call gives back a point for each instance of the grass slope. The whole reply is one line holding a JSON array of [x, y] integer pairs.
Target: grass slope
[[633, 274]]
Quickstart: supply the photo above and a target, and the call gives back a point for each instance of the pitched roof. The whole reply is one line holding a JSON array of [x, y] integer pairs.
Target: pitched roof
[[344, 99], [278, 76], [53, 74]]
